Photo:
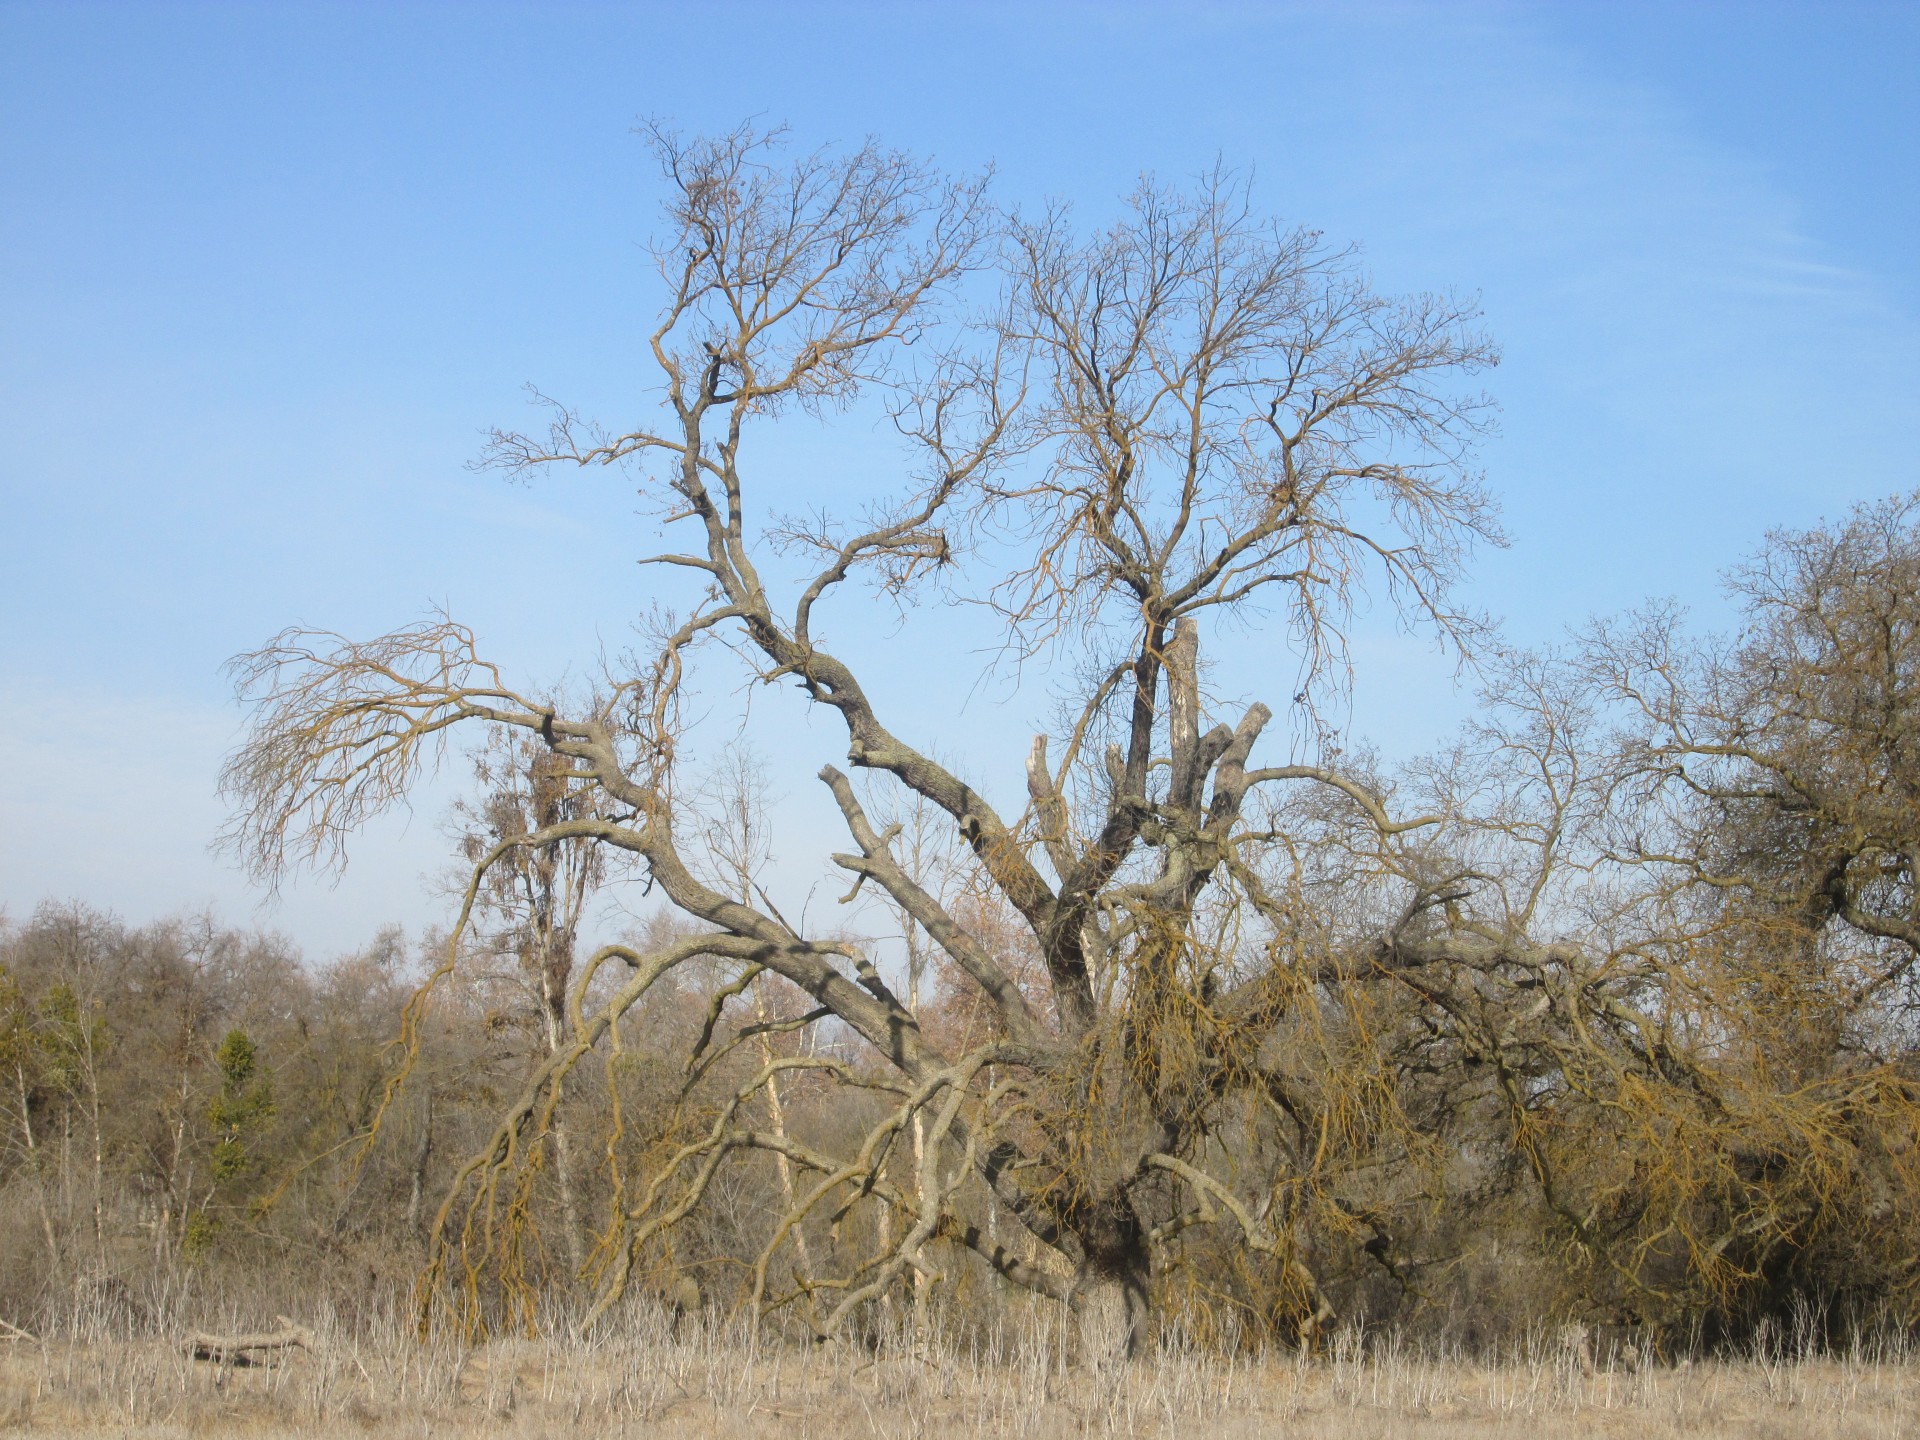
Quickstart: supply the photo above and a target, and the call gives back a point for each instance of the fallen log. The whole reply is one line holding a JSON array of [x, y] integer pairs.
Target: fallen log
[[250, 1349]]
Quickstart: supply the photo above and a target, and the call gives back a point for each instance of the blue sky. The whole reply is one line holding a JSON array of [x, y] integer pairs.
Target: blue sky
[[267, 271]]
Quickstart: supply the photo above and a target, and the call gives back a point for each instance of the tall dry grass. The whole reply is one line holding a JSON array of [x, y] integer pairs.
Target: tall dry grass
[[650, 1373]]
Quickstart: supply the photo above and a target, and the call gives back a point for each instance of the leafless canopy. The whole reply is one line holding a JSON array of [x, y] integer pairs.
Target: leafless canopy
[[1114, 441]]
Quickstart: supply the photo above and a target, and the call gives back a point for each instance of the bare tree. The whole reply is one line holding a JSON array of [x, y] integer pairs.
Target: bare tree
[[1767, 787], [1193, 417], [1660, 940], [531, 903]]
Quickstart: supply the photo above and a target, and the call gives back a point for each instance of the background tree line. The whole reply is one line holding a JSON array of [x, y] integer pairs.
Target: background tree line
[[1603, 1011], [1693, 1112]]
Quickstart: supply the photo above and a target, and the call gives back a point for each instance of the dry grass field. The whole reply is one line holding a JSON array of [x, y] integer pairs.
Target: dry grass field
[[652, 1378]]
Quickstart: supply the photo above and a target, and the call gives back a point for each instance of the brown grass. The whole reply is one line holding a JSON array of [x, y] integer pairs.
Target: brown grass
[[649, 1378]]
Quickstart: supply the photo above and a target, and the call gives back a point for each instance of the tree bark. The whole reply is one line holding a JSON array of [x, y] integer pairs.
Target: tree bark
[[243, 1349], [1113, 1302]]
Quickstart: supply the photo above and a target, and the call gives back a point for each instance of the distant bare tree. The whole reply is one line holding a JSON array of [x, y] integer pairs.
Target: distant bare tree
[[1661, 939], [1768, 787], [532, 900]]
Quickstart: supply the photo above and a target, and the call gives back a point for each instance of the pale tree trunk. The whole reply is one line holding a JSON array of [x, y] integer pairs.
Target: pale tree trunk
[[99, 1157], [563, 1156], [920, 1283], [163, 1232], [34, 1163], [99, 1188], [569, 1208], [916, 963], [417, 1190], [777, 1121], [739, 845], [66, 1168]]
